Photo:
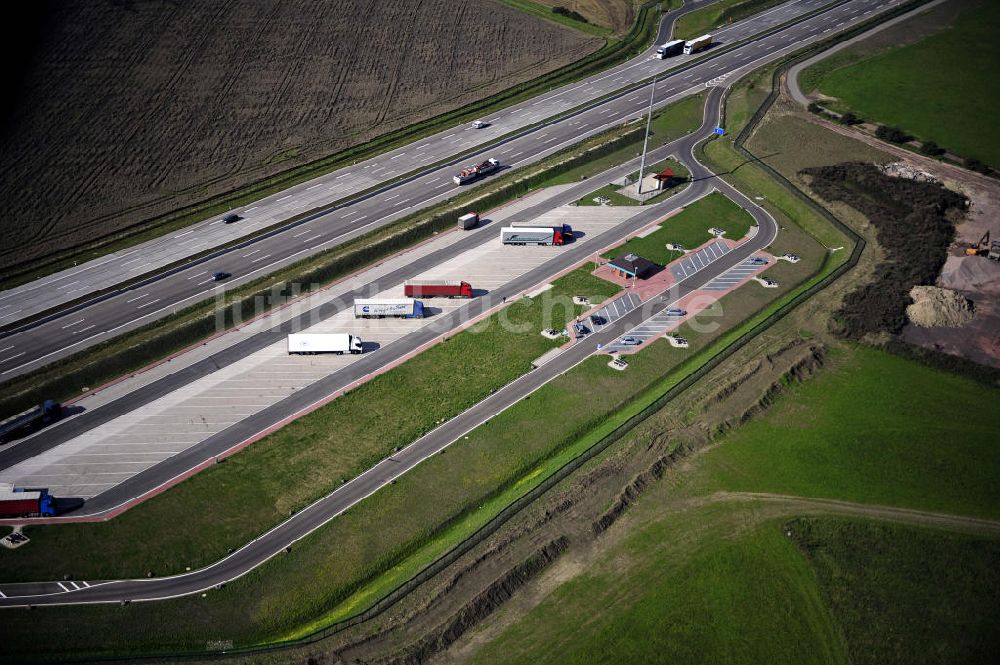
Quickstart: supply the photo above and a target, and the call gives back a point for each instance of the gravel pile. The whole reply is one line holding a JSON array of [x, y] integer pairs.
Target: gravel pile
[[934, 307]]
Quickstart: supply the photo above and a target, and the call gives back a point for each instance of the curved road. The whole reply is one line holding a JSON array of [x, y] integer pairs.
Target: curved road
[[275, 541], [740, 47]]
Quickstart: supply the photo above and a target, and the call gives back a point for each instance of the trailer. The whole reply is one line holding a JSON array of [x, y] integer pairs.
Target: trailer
[[437, 288], [25, 502], [533, 235], [403, 308], [470, 173], [468, 221], [670, 48], [29, 421], [311, 343], [697, 44]]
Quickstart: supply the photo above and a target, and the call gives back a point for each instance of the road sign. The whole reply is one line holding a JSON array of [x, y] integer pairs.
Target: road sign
[[720, 131]]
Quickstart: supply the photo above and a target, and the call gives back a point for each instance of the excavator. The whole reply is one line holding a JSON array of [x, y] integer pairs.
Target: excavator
[[980, 248]]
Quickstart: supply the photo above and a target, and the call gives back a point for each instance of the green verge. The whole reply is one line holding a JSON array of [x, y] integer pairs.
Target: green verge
[[717, 15], [951, 73], [690, 229], [642, 33], [545, 13], [905, 594], [707, 585], [909, 442]]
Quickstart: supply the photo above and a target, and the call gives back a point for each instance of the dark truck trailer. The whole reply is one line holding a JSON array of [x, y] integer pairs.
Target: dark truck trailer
[[439, 288], [21, 502], [25, 423]]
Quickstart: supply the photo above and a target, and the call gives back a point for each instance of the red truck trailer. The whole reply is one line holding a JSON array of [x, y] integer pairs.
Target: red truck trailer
[[18, 502], [437, 288]]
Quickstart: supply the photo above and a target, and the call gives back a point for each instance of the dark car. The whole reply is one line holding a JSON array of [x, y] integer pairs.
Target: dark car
[[221, 275], [231, 217], [758, 261], [581, 329], [597, 320], [676, 311], [631, 341]]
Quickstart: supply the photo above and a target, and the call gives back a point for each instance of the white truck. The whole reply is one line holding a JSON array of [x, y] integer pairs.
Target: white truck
[[470, 173], [697, 44], [311, 343], [404, 308], [670, 48]]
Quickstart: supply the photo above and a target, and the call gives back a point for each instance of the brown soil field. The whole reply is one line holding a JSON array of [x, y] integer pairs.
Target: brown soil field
[[615, 14], [128, 110]]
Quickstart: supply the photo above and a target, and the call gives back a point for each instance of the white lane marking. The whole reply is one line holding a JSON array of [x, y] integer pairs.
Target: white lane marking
[[260, 258], [147, 303], [144, 295], [421, 147], [353, 212], [249, 209], [345, 175], [249, 254], [7, 348], [398, 156], [283, 198], [70, 325], [16, 355], [315, 186], [186, 233], [394, 196], [301, 233]]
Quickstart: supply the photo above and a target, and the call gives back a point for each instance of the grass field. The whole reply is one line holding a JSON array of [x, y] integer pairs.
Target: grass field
[[904, 594], [718, 14], [950, 73], [690, 229], [874, 428], [194, 118]]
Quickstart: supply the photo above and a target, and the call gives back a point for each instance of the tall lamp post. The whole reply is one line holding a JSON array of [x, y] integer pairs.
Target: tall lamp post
[[645, 141]]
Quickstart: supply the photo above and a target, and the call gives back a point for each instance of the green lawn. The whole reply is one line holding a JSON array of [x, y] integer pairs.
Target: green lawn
[[943, 88], [308, 458], [688, 588], [718, 14], [873, 428], [904, 594], [689, 228]]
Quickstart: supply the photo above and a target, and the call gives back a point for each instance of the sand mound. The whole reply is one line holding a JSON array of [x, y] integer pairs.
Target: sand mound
[[933, 307], [970, 273]]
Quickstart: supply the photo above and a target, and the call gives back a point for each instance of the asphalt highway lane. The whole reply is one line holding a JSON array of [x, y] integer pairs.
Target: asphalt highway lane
[[40, 344]]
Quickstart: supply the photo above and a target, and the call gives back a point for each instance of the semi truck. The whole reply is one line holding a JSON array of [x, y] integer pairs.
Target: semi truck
[[312, 343], [697, 44], [470, 173], [468, 221], [29, 421], [536, 235], [25, 502], [438, 288], [670, 48], [403, 308]]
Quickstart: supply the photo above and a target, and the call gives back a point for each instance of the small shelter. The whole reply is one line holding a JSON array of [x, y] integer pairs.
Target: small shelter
[[632, 265]]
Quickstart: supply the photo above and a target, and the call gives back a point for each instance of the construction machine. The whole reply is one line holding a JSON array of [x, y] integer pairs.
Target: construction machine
[[981, 248]]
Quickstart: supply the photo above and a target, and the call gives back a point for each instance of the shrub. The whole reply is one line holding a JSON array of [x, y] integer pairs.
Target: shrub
[[931, 148], [814, 107], [893, 134], [850, 118], [974, 164]]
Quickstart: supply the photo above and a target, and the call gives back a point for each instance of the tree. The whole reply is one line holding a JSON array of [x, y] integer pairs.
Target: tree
[[974, 164], [931, 148], [892, 134], [850, 118]]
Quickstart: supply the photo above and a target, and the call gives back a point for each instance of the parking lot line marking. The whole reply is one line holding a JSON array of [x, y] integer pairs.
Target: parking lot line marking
[[61, 586]]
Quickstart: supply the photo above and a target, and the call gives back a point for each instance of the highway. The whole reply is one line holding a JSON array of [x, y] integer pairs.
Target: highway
[[79, 328], [300, 525]]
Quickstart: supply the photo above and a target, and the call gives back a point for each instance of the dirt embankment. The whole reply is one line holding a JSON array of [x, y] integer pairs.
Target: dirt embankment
[[129, 110], [934, 307]]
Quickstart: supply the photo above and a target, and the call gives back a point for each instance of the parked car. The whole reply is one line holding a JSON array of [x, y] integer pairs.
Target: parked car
[[221, 275], [676, 311], [631, 341], [758, 261], [581, 329], [597, 320], [231, 217]]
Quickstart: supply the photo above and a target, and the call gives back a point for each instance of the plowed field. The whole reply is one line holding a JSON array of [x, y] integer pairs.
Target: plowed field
[[131, 109]]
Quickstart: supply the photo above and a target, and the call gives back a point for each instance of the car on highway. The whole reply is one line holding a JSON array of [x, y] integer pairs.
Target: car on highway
[[479, 124], [597, 320], [676, 311], [221, 275], [231, 217], [631, 341]]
